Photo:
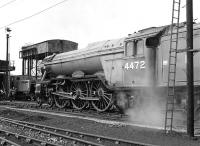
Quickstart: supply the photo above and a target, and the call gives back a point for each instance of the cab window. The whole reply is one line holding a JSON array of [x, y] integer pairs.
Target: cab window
[[140, 47], [135, 48], [129, 48]]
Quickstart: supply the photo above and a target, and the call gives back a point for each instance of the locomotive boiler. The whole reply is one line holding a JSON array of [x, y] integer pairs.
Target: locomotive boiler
[[97, 75]]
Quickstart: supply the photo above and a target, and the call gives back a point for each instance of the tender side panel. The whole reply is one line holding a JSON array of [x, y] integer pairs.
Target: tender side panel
[[163, 61]]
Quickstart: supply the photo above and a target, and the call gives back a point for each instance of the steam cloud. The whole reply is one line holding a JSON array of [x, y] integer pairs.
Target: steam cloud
[[147, 111]]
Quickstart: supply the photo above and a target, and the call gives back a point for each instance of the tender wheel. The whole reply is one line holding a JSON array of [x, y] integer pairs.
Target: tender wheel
[[105, 96], [50, 101], [79, 89], [39, 101], [59, 101]]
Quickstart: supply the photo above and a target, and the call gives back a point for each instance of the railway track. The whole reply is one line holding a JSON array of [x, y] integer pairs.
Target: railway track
[[57, 136], [4, 141], [25, 140]]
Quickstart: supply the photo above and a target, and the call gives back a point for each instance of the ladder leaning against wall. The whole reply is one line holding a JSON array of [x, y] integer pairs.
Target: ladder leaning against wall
[[172, 65]]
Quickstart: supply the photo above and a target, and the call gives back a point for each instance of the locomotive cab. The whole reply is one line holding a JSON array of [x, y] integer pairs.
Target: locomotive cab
[[140, 60], [134, 62], [140, 68]]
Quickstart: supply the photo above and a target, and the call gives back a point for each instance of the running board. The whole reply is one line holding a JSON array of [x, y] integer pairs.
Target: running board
[[65, 95]]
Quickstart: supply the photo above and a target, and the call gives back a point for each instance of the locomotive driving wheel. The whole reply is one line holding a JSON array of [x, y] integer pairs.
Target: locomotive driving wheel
[[79, 89], [60, 101], [99, 90]]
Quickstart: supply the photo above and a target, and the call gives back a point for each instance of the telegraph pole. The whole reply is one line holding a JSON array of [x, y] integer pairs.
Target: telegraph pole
[[8, 30], [190, 84]]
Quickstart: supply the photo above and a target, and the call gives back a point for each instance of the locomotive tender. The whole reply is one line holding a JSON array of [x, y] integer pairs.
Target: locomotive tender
[[98, 75]]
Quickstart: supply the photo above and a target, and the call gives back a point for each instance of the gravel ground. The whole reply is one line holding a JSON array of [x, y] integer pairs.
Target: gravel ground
[[145, 135]]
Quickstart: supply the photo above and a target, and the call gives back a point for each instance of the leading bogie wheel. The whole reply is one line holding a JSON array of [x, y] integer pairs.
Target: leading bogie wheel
[[60, 101], [103, 94], [78, 90], [50, 101]]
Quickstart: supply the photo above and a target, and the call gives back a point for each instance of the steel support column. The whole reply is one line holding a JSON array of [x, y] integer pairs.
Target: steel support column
[[8, 30], [23, 66], [36, 69], [190, 84], [7, 67]]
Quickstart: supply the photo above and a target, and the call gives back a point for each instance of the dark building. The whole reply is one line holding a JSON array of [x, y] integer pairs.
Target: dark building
[[3, 68]]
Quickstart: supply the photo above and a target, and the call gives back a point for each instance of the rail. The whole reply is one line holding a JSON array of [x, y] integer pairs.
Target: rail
[[5, 141], [74, 136]]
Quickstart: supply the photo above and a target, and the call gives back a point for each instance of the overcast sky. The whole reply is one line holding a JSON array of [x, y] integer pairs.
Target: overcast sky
[[82, 21]]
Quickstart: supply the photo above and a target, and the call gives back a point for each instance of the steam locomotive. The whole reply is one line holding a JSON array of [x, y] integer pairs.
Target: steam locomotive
[[119, 72]]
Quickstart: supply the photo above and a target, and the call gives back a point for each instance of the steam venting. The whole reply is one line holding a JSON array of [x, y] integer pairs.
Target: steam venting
[[148, 107], [147, 110]]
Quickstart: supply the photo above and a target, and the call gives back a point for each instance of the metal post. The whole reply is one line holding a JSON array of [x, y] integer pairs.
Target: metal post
[[23, 65], [28, 73], [36, 69], [190, 85], [7, 66], [7, 60]]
